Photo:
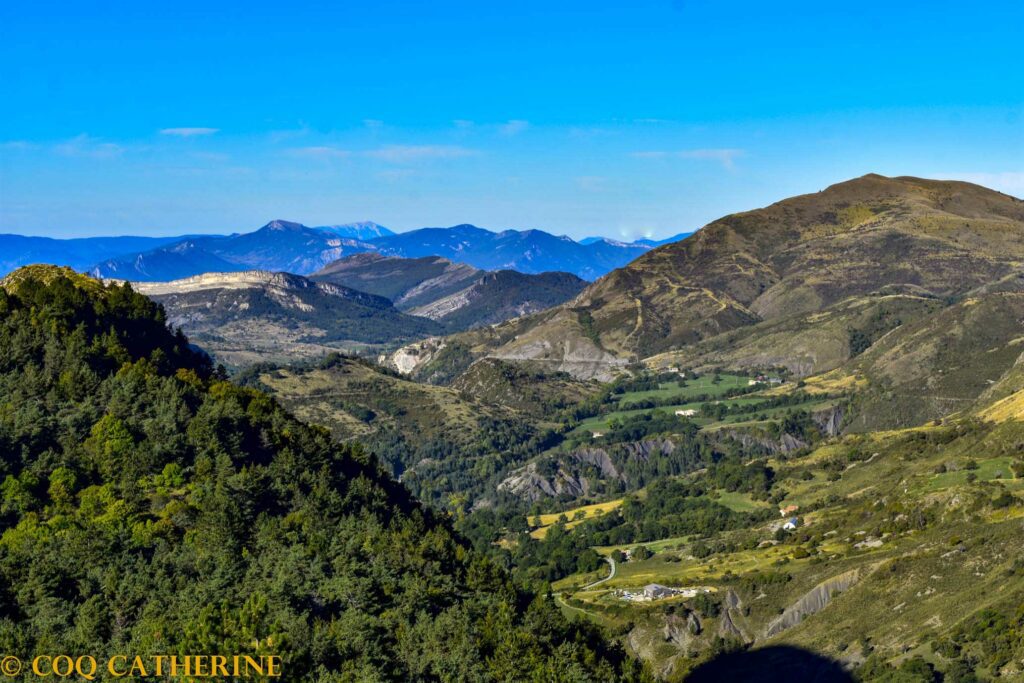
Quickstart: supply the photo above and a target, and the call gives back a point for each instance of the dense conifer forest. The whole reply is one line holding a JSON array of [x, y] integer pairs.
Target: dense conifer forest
[[151, 506]]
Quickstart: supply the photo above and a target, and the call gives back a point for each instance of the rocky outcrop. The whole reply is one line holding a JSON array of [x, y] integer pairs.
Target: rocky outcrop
[[233, 280], [769, 445], [830, 420], [572, 470], [452, 276], [530, 485], [727, 627], [436, 310], [599, 458], [579, 358], [412, 356], [812, 602], [277, 285], [678, 630], [642, 450], [648, 642], [693, 623]]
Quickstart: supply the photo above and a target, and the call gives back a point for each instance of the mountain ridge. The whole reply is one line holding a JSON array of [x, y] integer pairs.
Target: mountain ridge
[[456, 294], [403, 280], [527, 251], [77, 252], [501, 295], [290, 246], [253, 316], [797, 256], [279, 245]]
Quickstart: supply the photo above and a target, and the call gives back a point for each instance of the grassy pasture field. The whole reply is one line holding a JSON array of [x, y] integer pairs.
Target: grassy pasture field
[[738, 502], [601, 422], [574, 517], [688, 571], [988, 470], [703, 385]]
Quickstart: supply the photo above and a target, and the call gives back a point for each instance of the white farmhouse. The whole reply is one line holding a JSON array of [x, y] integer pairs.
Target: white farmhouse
[[655, 591]]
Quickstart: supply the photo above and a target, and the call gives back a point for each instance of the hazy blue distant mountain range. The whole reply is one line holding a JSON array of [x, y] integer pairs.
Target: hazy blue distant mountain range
[[295, 248], [174, 261], [80, 253], [286, 246], [277, 246], [640, 242], [528, 251]]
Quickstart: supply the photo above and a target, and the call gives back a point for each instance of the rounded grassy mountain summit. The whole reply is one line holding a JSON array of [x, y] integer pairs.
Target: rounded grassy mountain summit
[[800, 255]]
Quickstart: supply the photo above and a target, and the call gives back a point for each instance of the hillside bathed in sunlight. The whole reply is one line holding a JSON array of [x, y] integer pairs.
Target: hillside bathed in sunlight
[[582, 342]]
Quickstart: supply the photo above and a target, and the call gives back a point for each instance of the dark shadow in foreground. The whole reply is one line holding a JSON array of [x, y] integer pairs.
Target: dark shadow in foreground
[[770, 664]]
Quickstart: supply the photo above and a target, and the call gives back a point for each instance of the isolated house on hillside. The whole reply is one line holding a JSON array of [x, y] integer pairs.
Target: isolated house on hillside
[[791, 524], [689, 412], [653, 591], [788, 510]]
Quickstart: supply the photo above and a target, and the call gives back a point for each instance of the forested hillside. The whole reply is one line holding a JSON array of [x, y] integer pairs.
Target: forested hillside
[[150, 506]]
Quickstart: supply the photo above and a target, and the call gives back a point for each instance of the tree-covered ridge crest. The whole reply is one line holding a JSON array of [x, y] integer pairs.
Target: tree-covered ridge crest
[[149, 506]]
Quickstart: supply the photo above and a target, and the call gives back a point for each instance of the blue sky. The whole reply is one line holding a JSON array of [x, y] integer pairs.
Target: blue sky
[[617, 118]]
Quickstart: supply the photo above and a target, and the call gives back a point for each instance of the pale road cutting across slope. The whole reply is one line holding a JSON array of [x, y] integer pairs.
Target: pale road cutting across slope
[[611, 563]]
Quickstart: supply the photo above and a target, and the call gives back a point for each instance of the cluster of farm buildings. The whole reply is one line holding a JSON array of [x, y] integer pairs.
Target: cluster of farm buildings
[[655, 591]]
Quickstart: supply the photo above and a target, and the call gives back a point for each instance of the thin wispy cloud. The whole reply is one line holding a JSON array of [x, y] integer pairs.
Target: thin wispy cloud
[[88, 147], [285, 134], [17, 145], [400, 154], [725, 156], [462, 124], [513, 127], [321, 152], [188, 132], [373, 124]]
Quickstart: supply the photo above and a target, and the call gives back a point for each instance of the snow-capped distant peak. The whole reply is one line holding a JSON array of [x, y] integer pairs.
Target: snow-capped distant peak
[[586, 241], [362, 230]]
